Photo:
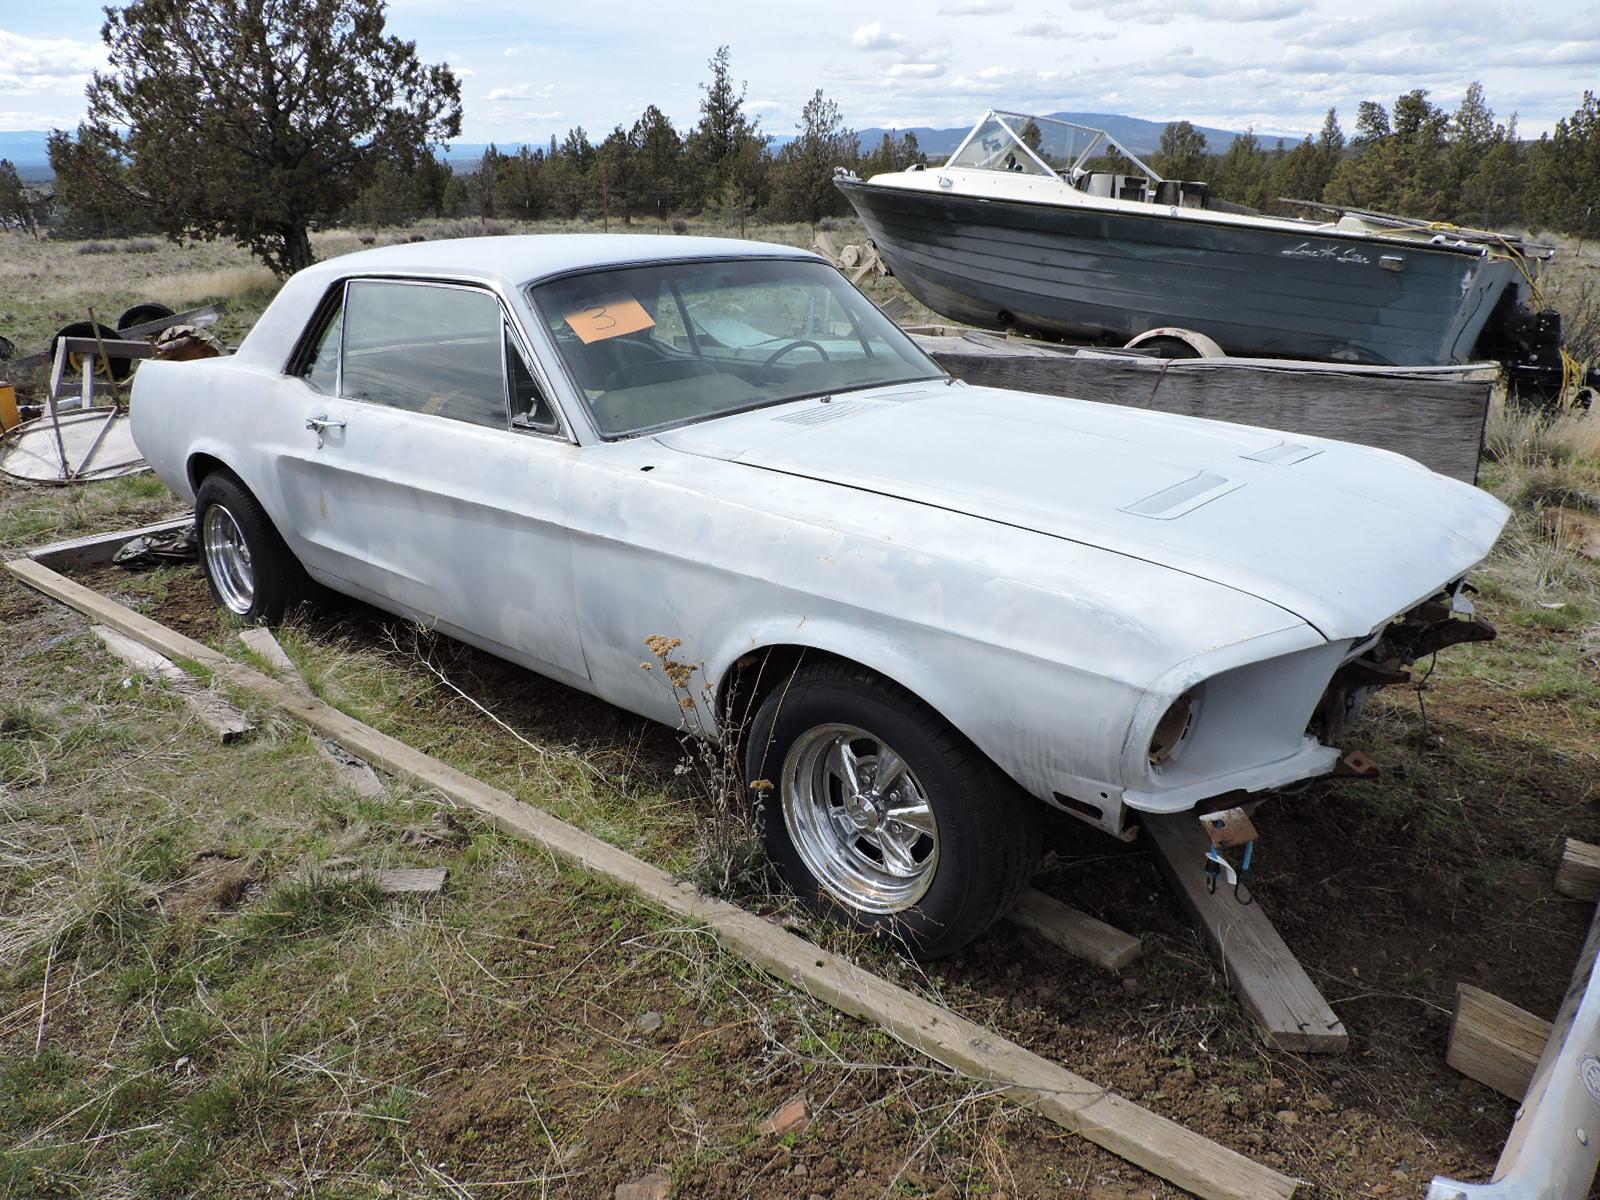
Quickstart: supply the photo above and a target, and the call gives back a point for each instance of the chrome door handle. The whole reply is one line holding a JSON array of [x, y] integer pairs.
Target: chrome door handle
[[320, 426]]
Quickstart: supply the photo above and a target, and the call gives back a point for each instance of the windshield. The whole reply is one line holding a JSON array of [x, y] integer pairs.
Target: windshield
[[676, 342], [992, 146]]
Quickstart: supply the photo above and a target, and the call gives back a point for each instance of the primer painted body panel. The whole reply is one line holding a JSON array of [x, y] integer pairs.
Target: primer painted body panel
[[1047, 574]]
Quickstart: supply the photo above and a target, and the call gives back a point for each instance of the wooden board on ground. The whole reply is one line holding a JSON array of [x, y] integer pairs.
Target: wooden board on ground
[[1436, 417], [215, 712], [1160, 1146], [101, 547], [398, 881], [1495, 1042], [1075, 932], [1288, 1010], [1578, 874], [259, 638]]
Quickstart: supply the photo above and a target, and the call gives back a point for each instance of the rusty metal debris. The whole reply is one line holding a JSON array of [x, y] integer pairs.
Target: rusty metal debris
[[89, 361]]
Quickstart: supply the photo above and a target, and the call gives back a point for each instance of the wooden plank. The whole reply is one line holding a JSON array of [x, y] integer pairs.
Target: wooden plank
[[1578, 874], [1437, 420], [349, 770], [1286, 1006], [259, 639], [215, 712], [1154, 1143], [100, 548], [398, 881], [1075, 932], [139, 656], [1494, 1041]]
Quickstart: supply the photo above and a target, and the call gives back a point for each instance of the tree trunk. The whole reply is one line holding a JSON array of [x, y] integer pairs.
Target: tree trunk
[[296, 248]]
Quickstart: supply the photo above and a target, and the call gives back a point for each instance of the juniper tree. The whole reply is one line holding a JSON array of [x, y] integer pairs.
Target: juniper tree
[[257, 119]]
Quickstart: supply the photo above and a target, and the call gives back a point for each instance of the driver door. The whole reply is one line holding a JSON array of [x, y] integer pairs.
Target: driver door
[[412, 486]]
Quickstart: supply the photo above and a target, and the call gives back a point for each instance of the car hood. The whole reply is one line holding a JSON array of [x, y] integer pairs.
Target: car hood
[[1342, 536]]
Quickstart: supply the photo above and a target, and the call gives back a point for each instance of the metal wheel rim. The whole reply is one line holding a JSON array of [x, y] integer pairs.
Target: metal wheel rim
[[228, 560], [859, 818]]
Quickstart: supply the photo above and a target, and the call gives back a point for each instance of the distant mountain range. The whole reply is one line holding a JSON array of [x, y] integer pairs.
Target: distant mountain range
[[26, 148]]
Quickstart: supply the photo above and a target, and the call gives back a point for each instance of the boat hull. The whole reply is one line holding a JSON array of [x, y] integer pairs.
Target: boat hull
[[1105, 275]]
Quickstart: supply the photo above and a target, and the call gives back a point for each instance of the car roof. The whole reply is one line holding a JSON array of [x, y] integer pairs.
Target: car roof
[[508, 262], [518, 259]]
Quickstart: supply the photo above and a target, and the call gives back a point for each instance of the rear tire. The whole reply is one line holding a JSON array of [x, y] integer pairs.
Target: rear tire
[[934, 858], [250, 571]]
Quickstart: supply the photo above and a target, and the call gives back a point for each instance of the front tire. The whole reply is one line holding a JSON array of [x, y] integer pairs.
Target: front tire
[[874, 809], [249, 569]]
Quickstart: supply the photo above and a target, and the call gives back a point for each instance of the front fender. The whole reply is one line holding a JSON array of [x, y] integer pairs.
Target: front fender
[[1055, 730]]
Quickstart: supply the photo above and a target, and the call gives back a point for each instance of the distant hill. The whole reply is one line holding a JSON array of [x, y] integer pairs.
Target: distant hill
[[26, 148], [1140, 136]]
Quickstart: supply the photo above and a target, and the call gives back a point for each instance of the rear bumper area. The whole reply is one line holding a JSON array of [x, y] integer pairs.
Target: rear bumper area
[[1554, 1145]]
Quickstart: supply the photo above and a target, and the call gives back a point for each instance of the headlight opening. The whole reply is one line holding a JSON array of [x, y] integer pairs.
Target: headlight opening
[[1174, 728]]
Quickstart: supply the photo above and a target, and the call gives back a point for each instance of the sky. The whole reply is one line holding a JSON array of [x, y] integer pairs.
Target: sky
[[530, 69]]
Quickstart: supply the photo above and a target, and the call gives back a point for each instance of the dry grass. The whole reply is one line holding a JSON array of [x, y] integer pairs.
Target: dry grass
[[1525, 437], [189, 288]]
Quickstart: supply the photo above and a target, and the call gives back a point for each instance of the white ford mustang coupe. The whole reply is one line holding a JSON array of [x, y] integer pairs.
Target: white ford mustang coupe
[[945, 607]]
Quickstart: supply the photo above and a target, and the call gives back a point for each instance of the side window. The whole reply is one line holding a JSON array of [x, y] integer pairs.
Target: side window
[[529, 407], [427, 349], [321, 367]]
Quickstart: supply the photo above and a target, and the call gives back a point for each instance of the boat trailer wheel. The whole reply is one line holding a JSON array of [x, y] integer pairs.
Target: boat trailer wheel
[[1170, 341]]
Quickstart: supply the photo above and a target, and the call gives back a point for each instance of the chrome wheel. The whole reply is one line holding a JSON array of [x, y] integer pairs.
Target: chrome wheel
[[859, 818], [228, 560]]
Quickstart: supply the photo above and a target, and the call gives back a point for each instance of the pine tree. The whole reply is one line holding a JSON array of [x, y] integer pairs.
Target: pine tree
[[727, 149], [1564, 180], [16, 201], [1182, 154], [660, 161], [803, 175]]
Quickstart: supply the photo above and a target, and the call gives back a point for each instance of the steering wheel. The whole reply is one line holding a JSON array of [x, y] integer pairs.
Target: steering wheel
[[782, 350]]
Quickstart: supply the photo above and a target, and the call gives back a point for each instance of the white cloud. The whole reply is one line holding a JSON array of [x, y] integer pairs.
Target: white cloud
[[915, 70], [522, 48], [30, 65], [1163, 12], [1052, 31], [523, 91], [1570, 53], [876, 37]]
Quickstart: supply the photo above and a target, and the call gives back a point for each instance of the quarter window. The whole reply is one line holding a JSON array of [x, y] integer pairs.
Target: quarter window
[[321, 367], [529, 408], [425, 348]]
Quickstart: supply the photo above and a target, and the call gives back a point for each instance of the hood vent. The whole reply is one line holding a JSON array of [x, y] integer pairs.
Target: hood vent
[[1200, 488], [1284, 454]]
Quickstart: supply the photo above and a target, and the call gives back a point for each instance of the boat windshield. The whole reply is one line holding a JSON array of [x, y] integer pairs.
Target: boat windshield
[[994, 146], [1047, 146], [670, 343]]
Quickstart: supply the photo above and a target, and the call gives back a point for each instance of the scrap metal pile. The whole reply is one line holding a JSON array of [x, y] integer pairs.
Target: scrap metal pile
[[80, 431]]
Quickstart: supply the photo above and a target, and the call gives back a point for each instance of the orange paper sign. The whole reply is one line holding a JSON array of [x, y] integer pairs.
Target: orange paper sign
[[608, 319]]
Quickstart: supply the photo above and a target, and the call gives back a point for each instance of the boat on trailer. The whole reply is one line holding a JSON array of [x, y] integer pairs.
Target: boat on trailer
[[1052, 228]]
